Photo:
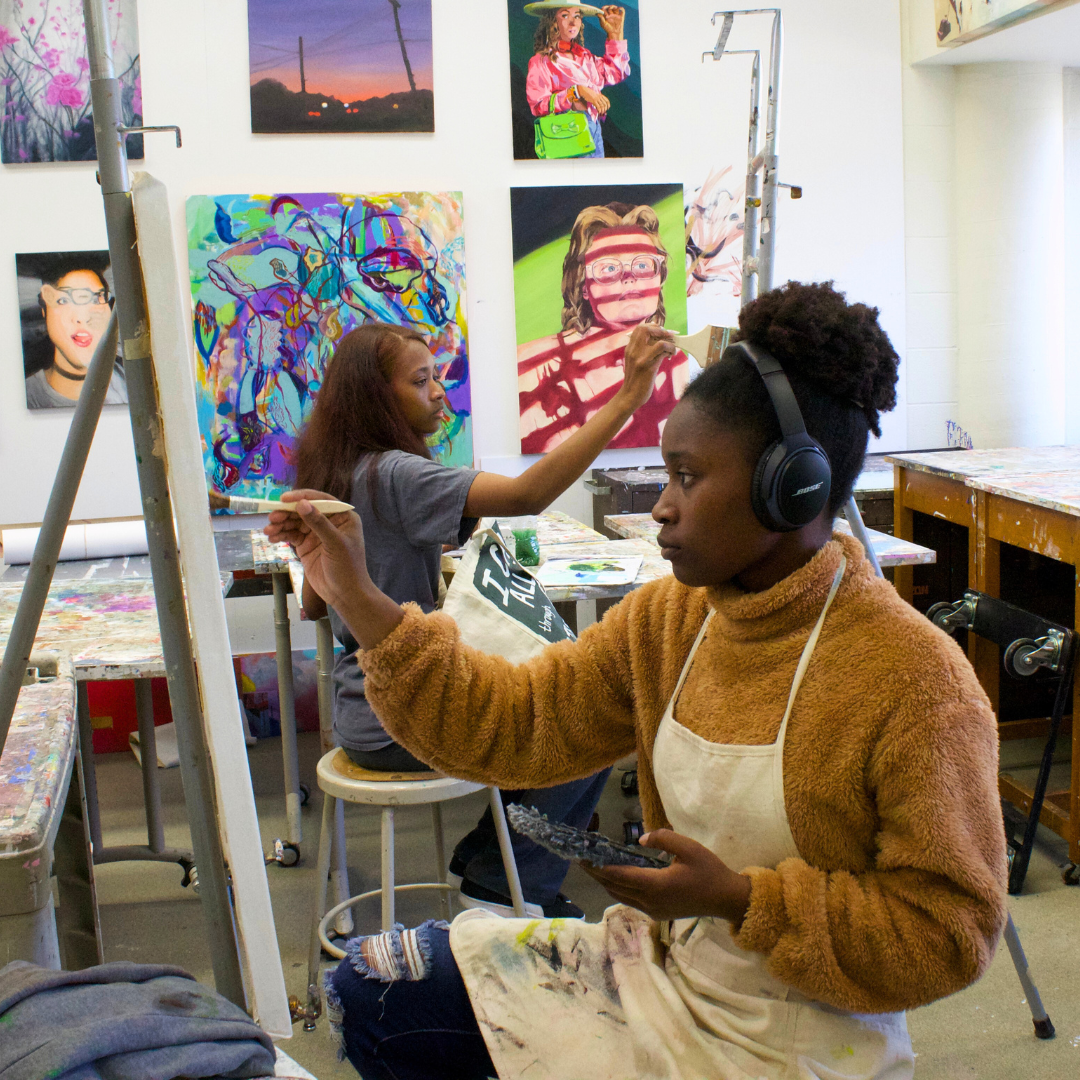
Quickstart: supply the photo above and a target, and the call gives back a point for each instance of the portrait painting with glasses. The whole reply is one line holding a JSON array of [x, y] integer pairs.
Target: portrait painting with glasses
[[591, 264], [65, 298]]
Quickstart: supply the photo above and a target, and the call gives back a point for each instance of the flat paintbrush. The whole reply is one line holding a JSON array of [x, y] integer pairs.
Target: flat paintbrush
[[237, 504], [707, 345]]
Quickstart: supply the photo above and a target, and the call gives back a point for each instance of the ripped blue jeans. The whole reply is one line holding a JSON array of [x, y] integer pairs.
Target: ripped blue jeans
[[400, 1006]]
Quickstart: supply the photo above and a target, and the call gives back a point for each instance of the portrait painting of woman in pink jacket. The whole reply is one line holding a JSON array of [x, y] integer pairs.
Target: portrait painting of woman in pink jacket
[[564, 73]]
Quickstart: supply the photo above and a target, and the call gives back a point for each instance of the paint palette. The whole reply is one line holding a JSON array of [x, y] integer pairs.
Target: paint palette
[[569, 842]]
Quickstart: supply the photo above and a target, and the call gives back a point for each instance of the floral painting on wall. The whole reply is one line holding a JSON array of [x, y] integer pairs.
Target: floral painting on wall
[[45, 79], [278, 280]]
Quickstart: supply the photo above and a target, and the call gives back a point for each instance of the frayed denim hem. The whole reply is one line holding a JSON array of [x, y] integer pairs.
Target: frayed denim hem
[[398, 955]]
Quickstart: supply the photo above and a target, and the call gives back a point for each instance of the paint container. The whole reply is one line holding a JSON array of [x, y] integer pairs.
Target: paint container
[[526, 547]]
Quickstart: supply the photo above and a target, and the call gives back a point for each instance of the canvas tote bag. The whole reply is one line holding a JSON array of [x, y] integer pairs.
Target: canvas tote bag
[[498, 606]]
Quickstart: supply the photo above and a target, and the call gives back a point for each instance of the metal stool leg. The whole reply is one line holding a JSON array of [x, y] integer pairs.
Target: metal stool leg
[[1044, 1029], [503, 833], [339, 872], [314, 994], [144, 712], [440, 857], [387, 868]]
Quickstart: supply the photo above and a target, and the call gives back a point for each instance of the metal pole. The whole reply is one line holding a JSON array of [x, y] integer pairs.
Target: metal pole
[[753, 191], [157, 507], [768, 195], [57, 515]]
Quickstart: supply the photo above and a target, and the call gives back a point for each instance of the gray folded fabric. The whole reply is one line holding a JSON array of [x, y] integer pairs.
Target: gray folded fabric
[[123, 1021]]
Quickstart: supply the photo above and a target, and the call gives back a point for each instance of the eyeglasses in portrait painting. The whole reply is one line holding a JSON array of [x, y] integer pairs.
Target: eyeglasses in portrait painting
[[64, 304], [613, 278]]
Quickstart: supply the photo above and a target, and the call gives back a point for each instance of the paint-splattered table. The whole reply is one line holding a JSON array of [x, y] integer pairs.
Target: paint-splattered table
[[890, 550], [1025, 497], [41, 829]]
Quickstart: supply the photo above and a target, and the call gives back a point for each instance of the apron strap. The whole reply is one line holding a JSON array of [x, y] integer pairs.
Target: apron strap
[[808, 651]]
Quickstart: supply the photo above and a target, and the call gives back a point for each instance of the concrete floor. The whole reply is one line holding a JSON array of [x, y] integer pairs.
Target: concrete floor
[[983, 1033]]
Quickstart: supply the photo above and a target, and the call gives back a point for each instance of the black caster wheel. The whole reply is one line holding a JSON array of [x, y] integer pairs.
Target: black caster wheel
[[305, 793], [633, 831], [284, 854], [628, 784], [1071, 874]]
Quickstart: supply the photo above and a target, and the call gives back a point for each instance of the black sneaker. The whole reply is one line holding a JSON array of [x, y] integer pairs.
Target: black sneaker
[[455, 873], [473, 895]]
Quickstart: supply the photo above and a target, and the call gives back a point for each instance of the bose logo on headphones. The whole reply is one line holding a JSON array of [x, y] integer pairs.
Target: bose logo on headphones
[[812, 487]]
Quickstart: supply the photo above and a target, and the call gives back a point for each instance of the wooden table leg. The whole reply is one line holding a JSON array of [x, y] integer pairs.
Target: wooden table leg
[[904, 528], [1074, 787], [984, 574]]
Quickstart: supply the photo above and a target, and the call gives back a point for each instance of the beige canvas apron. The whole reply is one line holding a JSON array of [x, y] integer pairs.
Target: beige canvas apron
[[561, 999]]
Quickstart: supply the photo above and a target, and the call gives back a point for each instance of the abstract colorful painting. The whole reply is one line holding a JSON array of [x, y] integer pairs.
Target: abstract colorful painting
[[580, 65], [277, 280], [328, 66], [45, 79], [590, 264], [962, 20], [65, 298]]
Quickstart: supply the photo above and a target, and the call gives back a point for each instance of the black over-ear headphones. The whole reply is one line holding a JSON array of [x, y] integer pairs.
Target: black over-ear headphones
[[792, 479]]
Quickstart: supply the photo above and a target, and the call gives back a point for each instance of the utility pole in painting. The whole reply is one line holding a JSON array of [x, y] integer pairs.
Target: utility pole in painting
[[303, 84], [395, 4]]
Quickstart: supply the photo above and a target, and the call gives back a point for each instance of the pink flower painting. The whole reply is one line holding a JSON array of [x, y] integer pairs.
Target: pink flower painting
[[45, 79]]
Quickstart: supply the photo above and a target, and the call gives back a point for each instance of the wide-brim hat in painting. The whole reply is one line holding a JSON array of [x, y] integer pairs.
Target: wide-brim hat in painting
[[557, 5]]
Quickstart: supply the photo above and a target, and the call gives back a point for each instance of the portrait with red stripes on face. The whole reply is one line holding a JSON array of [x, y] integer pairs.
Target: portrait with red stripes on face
[[590, 264]]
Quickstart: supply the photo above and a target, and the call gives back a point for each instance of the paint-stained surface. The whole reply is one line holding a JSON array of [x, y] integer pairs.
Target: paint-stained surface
[[890, 550], [553, 527], [1053, 490], [277, 280], [558, 974], [652, 568], [108, 628], [45, 79], [986, 464], [35, 763]]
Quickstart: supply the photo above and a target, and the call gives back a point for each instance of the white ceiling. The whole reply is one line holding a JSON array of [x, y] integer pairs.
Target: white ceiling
[[1053, 37]]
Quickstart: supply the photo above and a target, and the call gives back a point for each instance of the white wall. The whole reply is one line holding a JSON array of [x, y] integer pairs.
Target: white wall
[[1071, 77], [840, 138]]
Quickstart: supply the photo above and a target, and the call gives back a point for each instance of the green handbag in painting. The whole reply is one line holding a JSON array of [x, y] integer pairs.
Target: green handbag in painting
[[563, 135]]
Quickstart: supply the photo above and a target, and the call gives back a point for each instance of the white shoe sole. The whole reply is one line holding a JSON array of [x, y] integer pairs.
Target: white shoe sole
[[505, 911]]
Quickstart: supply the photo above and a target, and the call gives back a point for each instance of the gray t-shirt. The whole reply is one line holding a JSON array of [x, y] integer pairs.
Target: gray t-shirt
[[40, 395], [418, 507]]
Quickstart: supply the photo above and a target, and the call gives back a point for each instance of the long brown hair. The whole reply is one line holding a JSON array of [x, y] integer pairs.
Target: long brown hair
[[546, 39], [356, 412], [577, 314]]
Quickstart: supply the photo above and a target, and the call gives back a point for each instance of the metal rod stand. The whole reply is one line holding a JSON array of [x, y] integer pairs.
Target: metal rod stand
[[287, 708]]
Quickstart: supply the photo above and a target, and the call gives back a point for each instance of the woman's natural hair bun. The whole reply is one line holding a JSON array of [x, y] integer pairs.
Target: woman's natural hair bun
[[816, 334]]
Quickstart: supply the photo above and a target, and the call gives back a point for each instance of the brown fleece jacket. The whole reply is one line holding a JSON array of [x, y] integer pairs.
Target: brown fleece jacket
[[890, 764]]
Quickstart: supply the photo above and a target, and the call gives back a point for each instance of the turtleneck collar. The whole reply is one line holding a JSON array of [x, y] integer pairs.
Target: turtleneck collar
[[791, 604]]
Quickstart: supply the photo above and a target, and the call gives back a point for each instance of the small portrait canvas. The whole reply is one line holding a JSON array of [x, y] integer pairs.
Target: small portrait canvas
[[591, 264], [45, 79], [327, 66], [65, 299], [575, 80]]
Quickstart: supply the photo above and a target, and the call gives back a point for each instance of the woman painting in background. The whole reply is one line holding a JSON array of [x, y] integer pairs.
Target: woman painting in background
[[563, 67], [365, 441], [613, 280], [75, 304]]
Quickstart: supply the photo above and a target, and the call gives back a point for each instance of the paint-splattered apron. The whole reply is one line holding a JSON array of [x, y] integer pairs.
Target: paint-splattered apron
[[565, 1000]]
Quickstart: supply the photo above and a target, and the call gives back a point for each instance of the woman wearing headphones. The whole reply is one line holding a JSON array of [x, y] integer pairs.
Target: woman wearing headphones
[[819, 760]]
